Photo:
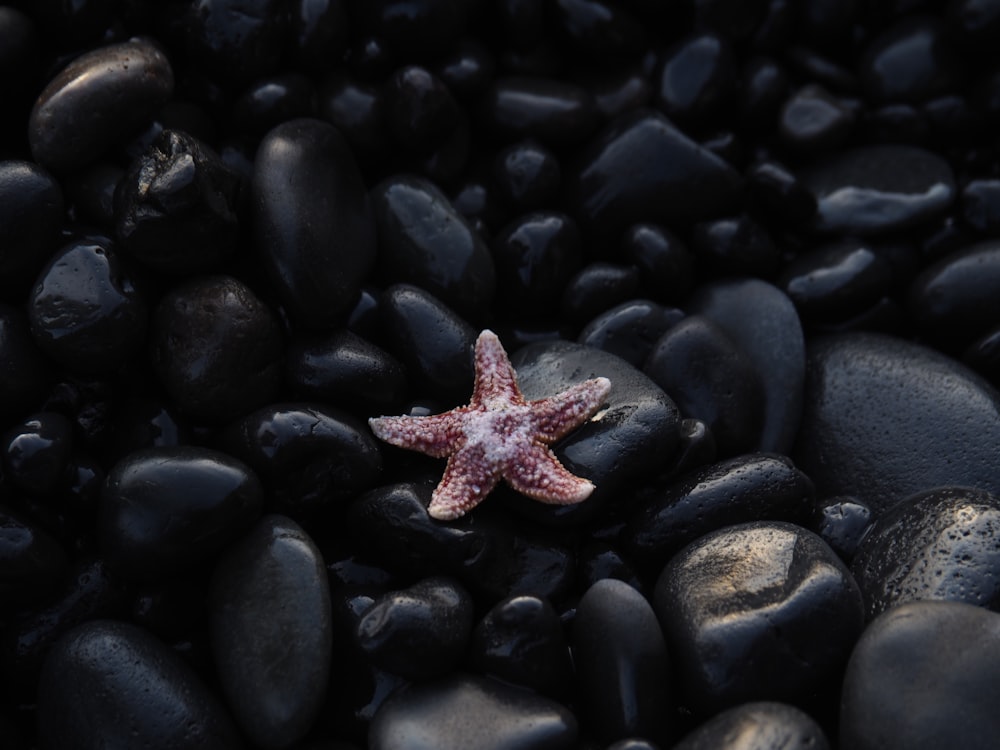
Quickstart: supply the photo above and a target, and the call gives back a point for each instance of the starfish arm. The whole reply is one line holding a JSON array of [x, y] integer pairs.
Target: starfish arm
[[437, 435], [560, 414], [538, 474], [495, 378], [468, 478]]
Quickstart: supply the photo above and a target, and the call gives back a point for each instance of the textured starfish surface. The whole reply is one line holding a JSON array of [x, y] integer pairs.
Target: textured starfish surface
[[498, 435]]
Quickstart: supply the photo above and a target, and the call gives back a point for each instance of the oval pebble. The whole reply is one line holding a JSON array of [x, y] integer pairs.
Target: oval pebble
[[554, 112], [871, 190], [761, 725], [466, 711], [85, 312], [621, 664], [915, 671], [738, 490], [271, 631], [758, 611], [312, 221], [419, 632], [625, 442], [939, 545], [111, 683], [630, 330], [31, 561], [885, 418], [424, 241], [36, 453], [168, 510], [31, 215], [96, 100]]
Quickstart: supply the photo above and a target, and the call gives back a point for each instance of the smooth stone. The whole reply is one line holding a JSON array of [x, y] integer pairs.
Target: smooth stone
[[951, 301], [414, 27], [935, 545], [599, 28], [707, 375], [169, 510], [467, 711], [630, 330], [596, 288], [31, 216], [312, 221], [923, 676], [763, 89], [911, 61], [421, 111], [357, 110], [757, 611], [980, 202], [776, 192], [696, 80], [345, 369], [761, 725], [319, 30], [85, 311], [736, 246], [433, 342], [621, 664], [812, 120], [272, 100], [468, 69], [310, 458], [619, 448], [31, 561], [880, 189], [110, 683], [527, 175], [642, 168], [176, 206], [666, 264], [100, 97], [271, 631], [424, 241], [216, 348], [419, 632], [555, 112], [738, 490], [837, 280], [842, 522], [36, 453], [536, 255], [234, 46], [885, 418], [521, 641]]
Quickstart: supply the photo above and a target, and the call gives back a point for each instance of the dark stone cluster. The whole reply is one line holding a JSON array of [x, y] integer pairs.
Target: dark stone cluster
[[231, 231]]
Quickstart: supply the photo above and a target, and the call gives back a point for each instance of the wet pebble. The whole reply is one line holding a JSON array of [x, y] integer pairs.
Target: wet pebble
[[737, 490], [233, 46], [111, 682], [598, 287], [709, 378], [642, 168], [696, 80], [937, 545], [885, 418], [31, 210], [631, 329], [758, 611], [666, 262], [271, 631], [216, 348], [980, 202], [312, 220], [812, 120], [169, 510], [467, 711], [521, 641], [424, 241], [527, 174], [556, 113], [310, 458], [37, 452], [914, 670], [419, 632], [873, 190], [85, 311], [636, 429], [842, 522], [622, 664], [761, 725], [96, 100]]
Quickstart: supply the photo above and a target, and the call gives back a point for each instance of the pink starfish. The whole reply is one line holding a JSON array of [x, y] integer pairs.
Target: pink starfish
[[499, 434]]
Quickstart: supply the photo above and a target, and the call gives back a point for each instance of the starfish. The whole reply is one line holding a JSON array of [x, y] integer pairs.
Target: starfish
[[499, 434]]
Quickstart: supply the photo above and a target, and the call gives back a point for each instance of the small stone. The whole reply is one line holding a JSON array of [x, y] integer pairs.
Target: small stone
[[760, 725]]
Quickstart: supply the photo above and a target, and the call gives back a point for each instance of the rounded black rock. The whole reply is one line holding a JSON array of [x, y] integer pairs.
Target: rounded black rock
[[527, 174], [169, 510], [96, 100], [85, 311], [176, 206], [736, 246], [596, 288], [110, 681], [757, 611], [630, 329], [31, 216], [760, 725], [813, 120], [419, 632], [271, 627], [312, 221], [272, 100], [31, 561], [622, 664], [664, 259], [216, 348], [420, 109], [24, 371], [842, 522], [696, 80], [555, 112], [36, 453]]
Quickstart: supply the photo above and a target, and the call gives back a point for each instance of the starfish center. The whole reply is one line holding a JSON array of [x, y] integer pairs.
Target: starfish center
[[499, 432]]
